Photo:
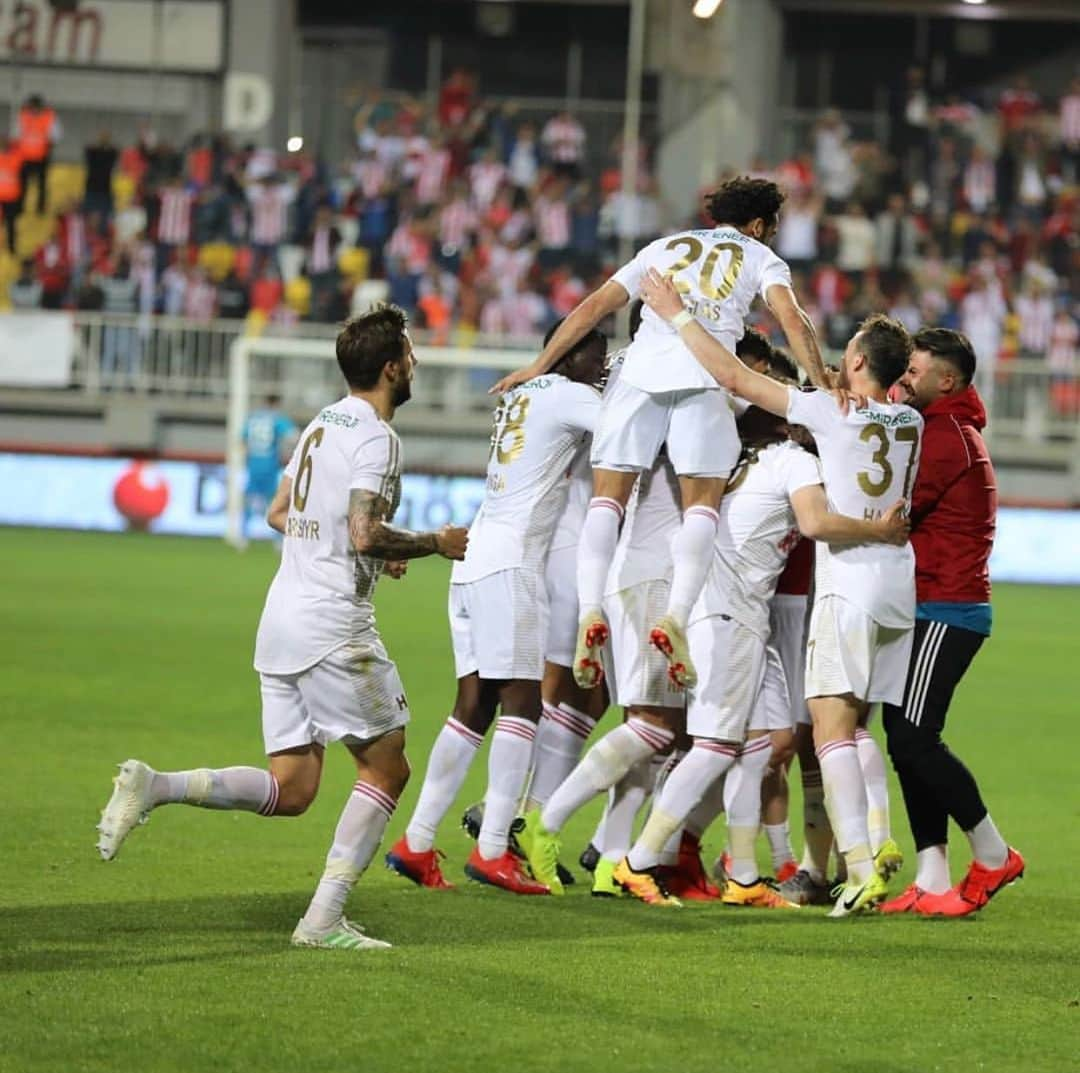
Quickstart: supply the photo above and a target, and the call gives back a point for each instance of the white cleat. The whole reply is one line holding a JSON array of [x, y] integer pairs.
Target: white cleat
[[129, 806], [344, 935]]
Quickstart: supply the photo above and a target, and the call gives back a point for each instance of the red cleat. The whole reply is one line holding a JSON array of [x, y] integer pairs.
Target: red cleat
[[504, 871], [688, 879], [422, 868], [950, 904], [786, 871], [982, 883], [907, 902]]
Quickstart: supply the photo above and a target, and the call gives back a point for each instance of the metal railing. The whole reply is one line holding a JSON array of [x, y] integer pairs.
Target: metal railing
[[1032, 404]]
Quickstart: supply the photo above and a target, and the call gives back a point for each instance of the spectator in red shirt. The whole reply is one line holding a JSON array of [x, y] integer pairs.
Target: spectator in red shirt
[[953, 510], [456, 98]]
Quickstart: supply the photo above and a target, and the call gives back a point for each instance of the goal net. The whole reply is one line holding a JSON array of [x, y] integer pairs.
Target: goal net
[[303, 372]]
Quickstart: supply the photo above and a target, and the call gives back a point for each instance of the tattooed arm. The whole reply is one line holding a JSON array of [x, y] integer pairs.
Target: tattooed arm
[[372, 535], [799, 331]]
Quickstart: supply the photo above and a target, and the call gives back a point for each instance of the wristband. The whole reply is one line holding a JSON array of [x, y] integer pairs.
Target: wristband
[[681, 319]]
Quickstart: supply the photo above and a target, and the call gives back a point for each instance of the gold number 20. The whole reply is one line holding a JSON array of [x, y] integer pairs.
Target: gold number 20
[[694, 249]]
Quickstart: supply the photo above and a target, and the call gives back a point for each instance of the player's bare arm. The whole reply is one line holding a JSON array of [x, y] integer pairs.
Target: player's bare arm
[[659, 294], [800, 333], [817, 522], [278, 510], [586, 316], [372, 535]]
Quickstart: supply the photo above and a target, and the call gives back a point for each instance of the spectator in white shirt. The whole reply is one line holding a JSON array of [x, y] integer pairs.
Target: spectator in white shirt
[[857, 248], [524, 163], [1035, 311], [797, 237], [563, 138], [982, 320]]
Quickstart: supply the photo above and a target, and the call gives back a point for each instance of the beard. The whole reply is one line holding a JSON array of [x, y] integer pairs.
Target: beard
[[402, 392]]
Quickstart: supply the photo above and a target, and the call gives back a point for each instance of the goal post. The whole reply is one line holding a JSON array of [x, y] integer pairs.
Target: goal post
[[304, 372]]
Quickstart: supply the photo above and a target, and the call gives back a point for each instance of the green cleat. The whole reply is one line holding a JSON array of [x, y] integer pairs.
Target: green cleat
[[541, 851], [604, 885], [344, 935], [888, 860], [853, 897]]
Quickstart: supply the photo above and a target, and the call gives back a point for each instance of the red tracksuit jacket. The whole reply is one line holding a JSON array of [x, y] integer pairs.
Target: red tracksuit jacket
[[954, 504]]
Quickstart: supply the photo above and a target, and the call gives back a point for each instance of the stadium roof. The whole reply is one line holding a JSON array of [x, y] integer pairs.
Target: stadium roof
[[1049, 10]]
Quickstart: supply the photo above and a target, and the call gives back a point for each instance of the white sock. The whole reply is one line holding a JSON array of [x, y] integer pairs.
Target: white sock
[[932, 869], [357, 837], [625, 799], [872, 763], [845, 799], [684, 788], [691, 553], [708, 808], [451, 757], [250, 789], [560, 737], [780, 848], [509, 761], [603, 766], [987, 845], [817, 830], [669, 855], [596, 549], [743, 801]]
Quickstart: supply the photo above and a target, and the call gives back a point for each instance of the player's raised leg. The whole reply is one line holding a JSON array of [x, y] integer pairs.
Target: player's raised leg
[[383, 772]]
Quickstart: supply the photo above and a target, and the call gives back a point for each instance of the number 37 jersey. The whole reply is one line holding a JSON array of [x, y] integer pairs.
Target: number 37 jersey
[[719, 272], [869, 458], [538, 427], [321, 596]]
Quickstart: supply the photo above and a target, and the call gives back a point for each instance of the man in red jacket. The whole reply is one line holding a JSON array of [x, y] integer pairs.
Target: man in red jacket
[[953, 509]]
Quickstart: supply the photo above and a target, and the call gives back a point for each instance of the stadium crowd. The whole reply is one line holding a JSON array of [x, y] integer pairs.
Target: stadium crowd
[[474, 221]]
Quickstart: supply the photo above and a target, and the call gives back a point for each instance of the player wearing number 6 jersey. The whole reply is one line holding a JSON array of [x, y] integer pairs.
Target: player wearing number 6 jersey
[[664, 396], [324, 673], [861, 625]]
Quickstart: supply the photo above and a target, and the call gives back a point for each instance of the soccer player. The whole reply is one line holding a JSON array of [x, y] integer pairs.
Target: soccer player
[[498, 620], [325, 675], [775, 494], [861, 624], [269, 437], [953, 510], [664, 397]]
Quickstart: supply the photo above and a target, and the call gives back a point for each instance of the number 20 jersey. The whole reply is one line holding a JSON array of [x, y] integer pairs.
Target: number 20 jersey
[[538, 427], [321, 596], [719, 271], [869, 458]]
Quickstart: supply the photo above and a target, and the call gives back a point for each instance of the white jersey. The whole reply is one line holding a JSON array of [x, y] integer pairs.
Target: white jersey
[[757, 530], [653, 516], [578, 493], [538, 428], [719, 271], [869, 458], [321, 596]]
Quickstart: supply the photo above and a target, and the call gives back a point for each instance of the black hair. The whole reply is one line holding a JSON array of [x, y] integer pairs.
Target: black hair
[[887, 346], [368, 342], [593, 337], [781, 366], [950, 346], [755, 346], [637, 307], [743, 199]]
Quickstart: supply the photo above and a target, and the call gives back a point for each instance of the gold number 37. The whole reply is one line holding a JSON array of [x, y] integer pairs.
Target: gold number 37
[[880, 457], [694, 249]]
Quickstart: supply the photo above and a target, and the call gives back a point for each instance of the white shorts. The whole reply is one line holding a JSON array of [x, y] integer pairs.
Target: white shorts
[[787, 625], [637, 672], [498, 625], [772, 709], [560, 580], [730, 661], [849, 652], [353, 695], [697, 426]]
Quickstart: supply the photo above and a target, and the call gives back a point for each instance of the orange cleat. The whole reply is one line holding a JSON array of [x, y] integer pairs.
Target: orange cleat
[[505, 871], [905, 902], [786, 871], [422, 868], [982, 883], [688, 879], [950, 904]]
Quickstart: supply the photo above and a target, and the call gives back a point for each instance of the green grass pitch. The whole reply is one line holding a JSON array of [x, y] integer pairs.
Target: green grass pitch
[[175, 957]]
